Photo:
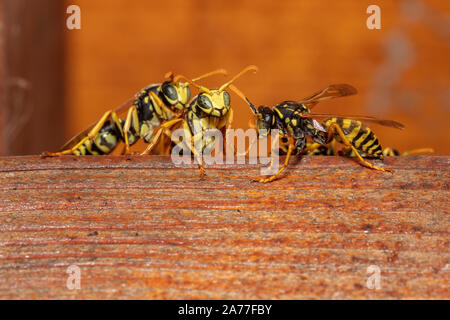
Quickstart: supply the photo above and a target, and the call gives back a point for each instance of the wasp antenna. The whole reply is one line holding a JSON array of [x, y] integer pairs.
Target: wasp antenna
[[243, 97], [200, 87], [418, 151], [252, 106], [344, 89], [218, 71], [238, 92], [249, 68]]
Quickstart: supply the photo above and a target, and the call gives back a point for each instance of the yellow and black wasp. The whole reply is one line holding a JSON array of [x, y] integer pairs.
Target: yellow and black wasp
[[152, 106], [295, 122], [209, 110]]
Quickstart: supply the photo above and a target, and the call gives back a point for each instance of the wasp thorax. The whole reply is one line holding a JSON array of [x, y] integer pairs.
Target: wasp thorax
[[176, 94], [215, 103]]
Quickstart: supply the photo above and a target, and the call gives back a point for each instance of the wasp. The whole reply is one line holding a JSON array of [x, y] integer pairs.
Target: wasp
[[151, 106], [209, 110], [295, 122]]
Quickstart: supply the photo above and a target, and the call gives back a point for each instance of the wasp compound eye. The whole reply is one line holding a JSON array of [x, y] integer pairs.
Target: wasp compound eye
[[226, 98], [268, 118], [267, 114], [204, 102], [170, 92]]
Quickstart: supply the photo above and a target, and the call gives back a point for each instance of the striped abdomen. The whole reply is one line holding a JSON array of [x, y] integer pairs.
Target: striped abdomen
[[360, 136], [104, 142]]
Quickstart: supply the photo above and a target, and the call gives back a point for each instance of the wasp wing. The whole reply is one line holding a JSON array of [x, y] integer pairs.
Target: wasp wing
[[330, 92], [76, 139], [369, 119]]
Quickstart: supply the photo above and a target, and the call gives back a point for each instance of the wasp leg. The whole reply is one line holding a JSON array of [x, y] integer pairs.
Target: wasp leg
[[272, 147], [418, 151], [191, 146], [250, 145], [251, 124], [91, 135], [333, 145], [132, 118], [335, 126], [188, 137], [166, 113], [157, 135], [162, 106], [286, 162], [227, 126]]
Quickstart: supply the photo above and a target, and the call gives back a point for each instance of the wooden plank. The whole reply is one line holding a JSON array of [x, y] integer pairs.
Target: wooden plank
[[140, 227]]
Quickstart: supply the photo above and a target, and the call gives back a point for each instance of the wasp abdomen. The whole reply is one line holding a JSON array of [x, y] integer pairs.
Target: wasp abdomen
[[104, 142], [359, 135]]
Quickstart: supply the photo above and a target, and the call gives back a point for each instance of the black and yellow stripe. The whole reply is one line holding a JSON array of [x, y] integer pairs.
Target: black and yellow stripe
[[359, 135], [104, 142]]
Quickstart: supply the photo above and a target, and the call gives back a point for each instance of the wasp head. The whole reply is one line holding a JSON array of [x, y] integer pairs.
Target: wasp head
[[176, 94], [215, 102], [265, 119]]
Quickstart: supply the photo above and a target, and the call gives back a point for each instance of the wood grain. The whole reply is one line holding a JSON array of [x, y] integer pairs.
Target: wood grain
[[139, 227]]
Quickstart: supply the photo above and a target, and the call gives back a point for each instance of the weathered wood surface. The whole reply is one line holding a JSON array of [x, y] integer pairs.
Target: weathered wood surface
[[139, 227]]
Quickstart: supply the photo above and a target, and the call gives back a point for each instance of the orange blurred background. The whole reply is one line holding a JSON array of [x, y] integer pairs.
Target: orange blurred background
[[401, 71]]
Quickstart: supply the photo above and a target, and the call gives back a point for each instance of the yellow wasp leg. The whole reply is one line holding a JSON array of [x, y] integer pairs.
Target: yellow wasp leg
[[91, 135], [188, 136], [229, 119], [252, 125], [116, 120], [334, 146], [191, 146], [335, 126], [162, 105], [132, 112], [418, 151], [272, 147], [250, 145], [168, 112], [157, 135], [227, 126], [286, 162]]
